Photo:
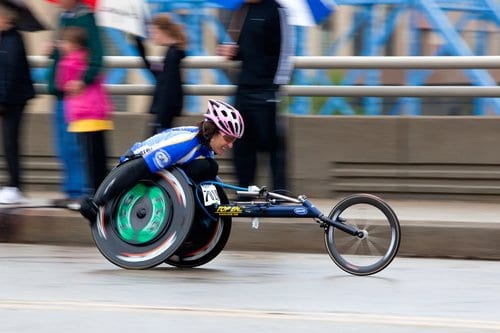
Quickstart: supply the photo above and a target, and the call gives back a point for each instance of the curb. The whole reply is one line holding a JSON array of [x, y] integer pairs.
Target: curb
[[432, 239]]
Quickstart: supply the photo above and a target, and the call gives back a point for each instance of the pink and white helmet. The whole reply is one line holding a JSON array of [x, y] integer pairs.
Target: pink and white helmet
[[227, 119]]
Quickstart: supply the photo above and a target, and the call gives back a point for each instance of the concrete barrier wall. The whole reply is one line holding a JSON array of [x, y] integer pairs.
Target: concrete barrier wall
[[414, 156], [331, 156]]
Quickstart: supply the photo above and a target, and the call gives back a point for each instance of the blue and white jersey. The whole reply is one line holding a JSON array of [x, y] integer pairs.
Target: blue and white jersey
[[177, 145]]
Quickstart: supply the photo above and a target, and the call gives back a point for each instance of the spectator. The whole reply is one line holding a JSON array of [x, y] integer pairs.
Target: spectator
[[86, 112], [168, 97], [263, 46], [68, 147], [16, 88]]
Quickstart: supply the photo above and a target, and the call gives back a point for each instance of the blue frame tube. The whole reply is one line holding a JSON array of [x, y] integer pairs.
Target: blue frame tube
[[265, 210]]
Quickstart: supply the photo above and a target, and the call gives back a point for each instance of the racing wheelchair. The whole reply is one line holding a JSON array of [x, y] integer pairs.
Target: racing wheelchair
[[167, 218]]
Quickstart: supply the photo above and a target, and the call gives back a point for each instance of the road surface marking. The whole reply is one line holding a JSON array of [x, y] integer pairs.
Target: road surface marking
[[341, 317]]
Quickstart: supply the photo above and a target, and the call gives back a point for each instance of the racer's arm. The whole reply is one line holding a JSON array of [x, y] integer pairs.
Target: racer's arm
[[156, 153], [176, 143], [179, 149]]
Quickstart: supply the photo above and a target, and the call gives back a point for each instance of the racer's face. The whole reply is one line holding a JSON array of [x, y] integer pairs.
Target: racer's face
[[221, 142]]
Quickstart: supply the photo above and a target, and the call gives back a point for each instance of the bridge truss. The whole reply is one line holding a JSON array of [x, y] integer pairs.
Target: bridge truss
[[374, 27]]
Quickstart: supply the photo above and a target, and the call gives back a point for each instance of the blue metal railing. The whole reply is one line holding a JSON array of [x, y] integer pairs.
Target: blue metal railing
[[374, 23]]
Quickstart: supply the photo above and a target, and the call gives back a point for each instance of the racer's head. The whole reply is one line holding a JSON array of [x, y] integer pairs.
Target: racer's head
[[223, 124]]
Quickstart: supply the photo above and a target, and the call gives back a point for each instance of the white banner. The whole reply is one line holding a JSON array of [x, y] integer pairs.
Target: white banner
[[300, 12], [127, 15]]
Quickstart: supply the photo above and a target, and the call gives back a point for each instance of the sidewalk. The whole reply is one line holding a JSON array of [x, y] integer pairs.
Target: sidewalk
[[430, 228]]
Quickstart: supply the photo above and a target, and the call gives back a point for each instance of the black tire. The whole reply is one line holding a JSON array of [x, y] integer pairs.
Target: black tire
[[373, 252], [147, 223], [207, 238]]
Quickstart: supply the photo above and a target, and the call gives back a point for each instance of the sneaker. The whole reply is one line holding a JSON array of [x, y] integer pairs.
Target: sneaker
[[74, 205], [11, 195], [68, 203]]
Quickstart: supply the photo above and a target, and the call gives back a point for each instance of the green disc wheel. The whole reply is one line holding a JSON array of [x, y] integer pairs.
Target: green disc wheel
[[142, 214], [145, 224]]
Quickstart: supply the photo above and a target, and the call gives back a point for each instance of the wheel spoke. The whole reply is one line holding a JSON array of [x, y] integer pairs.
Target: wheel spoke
[[374, 249], [353, 249]]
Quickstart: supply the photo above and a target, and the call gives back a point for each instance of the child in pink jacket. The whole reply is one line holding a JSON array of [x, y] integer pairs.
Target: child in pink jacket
[[87, 108]]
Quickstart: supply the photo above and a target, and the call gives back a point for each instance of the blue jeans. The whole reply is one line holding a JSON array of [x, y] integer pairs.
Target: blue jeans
[[70, 154]]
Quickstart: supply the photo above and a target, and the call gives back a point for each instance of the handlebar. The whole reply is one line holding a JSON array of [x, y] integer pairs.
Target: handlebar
[[259, 192], [254, 191]]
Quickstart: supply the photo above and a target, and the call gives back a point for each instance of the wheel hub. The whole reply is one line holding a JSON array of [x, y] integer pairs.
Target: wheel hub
[[142, 214], [362, 234]]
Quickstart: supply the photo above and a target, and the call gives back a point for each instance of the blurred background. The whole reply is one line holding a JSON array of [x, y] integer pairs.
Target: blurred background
[[337, 143], [354, 28]]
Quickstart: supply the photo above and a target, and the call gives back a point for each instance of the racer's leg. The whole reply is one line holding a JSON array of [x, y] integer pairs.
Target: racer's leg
[[124, 177], [201, 169], [119, 179], [198, 171]]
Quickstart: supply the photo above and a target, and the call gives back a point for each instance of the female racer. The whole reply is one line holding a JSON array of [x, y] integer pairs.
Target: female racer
[[192, 148]]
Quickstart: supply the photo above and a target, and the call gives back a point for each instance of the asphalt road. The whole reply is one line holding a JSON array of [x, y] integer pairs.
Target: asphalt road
[[69, 289]]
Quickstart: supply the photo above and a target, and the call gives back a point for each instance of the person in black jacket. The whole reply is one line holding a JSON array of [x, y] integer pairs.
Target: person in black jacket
[[168, 96], [16, 88], [264, 47]]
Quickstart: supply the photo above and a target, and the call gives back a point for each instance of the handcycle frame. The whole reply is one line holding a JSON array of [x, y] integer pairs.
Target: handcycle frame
[[273, 204], [163, 219]]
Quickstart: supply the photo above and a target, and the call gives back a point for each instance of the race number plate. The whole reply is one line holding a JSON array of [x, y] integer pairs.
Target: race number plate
[[210, 195]]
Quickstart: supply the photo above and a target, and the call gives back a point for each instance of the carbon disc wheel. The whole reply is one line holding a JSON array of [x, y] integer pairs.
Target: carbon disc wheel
[[146, 223]]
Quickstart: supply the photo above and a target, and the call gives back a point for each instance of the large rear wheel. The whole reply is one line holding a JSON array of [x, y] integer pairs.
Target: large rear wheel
[[207, 238], [379, 244], [146, 223]]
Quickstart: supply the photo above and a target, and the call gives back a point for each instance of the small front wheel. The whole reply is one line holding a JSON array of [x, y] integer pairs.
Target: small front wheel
[[377, 244]]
